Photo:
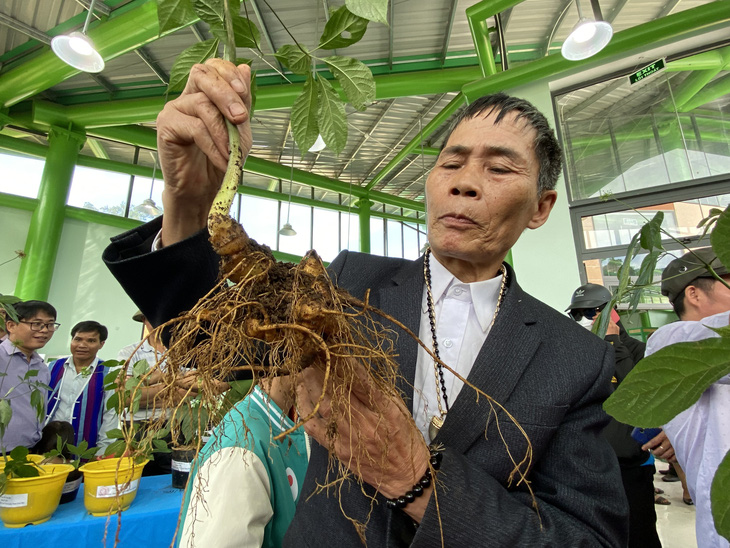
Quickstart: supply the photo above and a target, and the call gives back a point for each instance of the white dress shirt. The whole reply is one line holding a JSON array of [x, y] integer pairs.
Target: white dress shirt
[[147, 353], [463, 314], [72, 385], [700, 435]]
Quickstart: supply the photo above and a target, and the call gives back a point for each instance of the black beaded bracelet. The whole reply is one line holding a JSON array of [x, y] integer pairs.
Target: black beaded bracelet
[[423, 483]]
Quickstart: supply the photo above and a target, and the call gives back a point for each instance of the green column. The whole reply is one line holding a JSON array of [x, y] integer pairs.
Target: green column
[[44, 234], [364, 206]]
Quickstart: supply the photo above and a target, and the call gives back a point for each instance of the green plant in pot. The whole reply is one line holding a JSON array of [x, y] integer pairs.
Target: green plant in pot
[[64, 453], [29, 491], [192, 424]]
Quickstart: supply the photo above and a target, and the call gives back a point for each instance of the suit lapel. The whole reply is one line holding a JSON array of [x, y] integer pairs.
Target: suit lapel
[[505, 354], [402, 300]]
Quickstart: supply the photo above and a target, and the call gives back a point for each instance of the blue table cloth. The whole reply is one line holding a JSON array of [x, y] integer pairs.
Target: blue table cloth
[[149, 522]]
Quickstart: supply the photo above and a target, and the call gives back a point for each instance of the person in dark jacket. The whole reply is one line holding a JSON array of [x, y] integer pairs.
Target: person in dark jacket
[[637, 466]]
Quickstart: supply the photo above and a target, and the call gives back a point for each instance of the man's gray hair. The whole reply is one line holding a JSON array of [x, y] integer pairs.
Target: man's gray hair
[[547, 148]]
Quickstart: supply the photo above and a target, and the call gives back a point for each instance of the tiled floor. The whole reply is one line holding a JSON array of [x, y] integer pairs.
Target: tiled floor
[[675, 522]]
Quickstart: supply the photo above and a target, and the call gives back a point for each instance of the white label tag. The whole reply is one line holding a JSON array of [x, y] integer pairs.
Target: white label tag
[[109, 491], [14, 501], [180, 466], [71, 486]]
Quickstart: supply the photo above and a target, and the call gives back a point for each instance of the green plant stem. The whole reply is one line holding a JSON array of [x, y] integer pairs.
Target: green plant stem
[[223, 200]]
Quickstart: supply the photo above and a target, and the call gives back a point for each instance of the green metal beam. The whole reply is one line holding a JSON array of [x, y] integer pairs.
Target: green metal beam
[[97, 217], [700, 61], [715, 90], [131, 135], [695, 82], [672, 27], [432, 126], [145, 110], [18, 202], [113, 38], [97, 148]]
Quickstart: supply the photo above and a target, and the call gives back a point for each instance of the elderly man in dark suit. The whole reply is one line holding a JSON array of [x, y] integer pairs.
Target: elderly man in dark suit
[[494, 178]]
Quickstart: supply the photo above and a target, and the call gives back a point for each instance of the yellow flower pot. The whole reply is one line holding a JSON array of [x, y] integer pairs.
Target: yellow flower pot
[[110, 485], [33, 500]]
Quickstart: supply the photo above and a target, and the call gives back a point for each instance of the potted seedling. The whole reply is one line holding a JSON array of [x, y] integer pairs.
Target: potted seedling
[[62, 453], [29, 492], [192, 424]]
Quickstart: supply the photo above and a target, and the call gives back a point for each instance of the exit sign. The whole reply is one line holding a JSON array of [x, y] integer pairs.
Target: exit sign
[[648, 70]]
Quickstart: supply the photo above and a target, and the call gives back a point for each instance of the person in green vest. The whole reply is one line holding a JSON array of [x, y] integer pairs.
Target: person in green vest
[[244, 486]]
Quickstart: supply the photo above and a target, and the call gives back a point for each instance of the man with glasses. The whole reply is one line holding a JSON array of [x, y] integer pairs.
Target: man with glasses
[[637, 466], [23, 374]]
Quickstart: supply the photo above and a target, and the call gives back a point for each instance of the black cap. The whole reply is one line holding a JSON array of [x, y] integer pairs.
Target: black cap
[[138, 316], [589, 296], [684, 270]]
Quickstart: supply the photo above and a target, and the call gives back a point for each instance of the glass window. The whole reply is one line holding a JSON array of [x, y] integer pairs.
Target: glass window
[[394, 239], [300, 217], [99, 190], [620, 137], [411, 247], [146, 202], [259, 217], [377, 236], [21, 175], [326, 235], [680, 220], [350, 231]]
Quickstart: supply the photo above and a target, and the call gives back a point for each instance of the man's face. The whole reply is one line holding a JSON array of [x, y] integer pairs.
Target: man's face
[[482, 194], [25, 338], [85, 345]]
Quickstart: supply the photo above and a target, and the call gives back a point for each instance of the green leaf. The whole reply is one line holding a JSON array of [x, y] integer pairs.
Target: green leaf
[[651, 232], [112, 364], [343, 29], [114, 433], [374, 10], [9, 299], [197, 53], [30, 373], [645, 277], [134, 407], [113, 401], [115, 448], [19, 453], [161, 433], [38, 402], [720, 237], [26, 471], [112, 377], [211, 11], [140, 368], [245, 32], [720, 497], [304, 123], [296, 59], [173, 14], [160, 446], [332, 120], [666, 383], [6, 413], [355, 78]]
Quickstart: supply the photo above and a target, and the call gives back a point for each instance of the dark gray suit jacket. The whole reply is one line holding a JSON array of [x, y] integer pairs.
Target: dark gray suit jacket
[[549, 373]]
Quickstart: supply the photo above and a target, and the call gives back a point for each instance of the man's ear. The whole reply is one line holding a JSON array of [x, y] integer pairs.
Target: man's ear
[[102, 344], [545, 204]]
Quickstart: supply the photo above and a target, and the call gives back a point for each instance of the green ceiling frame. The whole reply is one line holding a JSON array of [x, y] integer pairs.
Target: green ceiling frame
[[136, 25], [118, 35], [671, 27]]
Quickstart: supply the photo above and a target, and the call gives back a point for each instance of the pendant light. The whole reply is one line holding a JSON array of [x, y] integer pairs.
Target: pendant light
[[589, 36], [287, 229], [148, 205], [77, 49]]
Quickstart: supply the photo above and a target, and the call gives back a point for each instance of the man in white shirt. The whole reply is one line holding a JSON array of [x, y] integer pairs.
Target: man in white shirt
[[700, 435], [77, 394]]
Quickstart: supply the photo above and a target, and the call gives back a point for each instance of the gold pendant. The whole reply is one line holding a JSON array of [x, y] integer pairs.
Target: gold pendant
[[435, 426]]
